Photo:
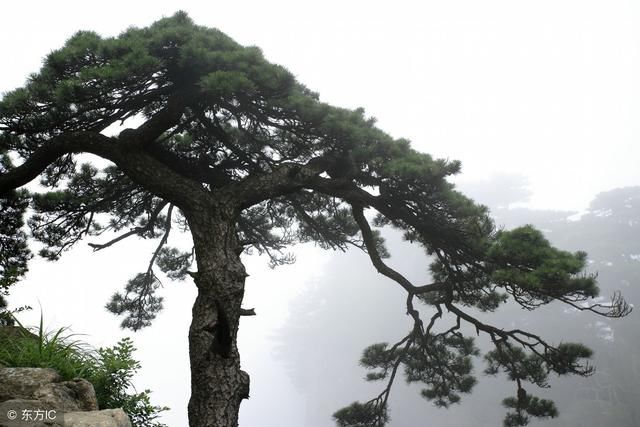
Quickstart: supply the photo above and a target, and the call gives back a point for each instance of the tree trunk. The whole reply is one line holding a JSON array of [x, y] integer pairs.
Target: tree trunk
[[217, 383]]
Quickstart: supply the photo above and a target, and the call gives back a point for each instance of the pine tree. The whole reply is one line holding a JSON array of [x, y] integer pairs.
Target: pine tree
[[236, 151], [14, 251]]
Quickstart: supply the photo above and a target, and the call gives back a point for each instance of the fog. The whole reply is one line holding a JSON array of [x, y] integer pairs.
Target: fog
[[539, 101]]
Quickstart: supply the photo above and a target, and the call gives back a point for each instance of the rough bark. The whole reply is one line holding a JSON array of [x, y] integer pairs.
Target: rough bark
[[217, 384]]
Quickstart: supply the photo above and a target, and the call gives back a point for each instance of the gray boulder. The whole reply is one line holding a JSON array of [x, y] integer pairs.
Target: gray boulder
[[28, 412], [22, 383], [50, 402], [105, 418], [69, 396]]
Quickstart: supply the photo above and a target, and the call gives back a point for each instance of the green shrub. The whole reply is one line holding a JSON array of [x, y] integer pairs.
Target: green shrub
[[112, 382]]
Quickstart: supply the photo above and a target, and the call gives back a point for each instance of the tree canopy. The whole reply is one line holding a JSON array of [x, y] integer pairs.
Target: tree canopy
[[221, 143]]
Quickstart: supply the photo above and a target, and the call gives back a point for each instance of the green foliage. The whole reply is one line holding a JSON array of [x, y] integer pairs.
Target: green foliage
[[566, 357], [517, 364], [14, 251], [361, 415], [525, 406], [534, 272], [112, 380], [377, 356], [61, 218], [138, 301], [174, 263], [535, 367], [444, 365], [39, 348], [424, 362]]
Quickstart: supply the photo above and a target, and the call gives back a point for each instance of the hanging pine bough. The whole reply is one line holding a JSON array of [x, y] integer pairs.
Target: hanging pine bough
[[236, 152]]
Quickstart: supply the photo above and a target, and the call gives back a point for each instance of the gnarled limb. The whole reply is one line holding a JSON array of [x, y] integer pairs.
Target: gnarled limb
[[76, 142]]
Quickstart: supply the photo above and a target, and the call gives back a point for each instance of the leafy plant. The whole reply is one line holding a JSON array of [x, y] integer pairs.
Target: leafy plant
[[112, 382]]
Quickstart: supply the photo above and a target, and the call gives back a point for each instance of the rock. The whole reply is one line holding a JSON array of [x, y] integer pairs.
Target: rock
[[69, 396], [36, 397], [42, 416], [104, 418], [22, 383], [28, 412]]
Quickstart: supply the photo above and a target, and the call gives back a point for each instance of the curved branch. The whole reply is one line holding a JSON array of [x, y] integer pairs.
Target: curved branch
[[128, 151], [533, 342], [376, 260], [76, 142], [384, 269]]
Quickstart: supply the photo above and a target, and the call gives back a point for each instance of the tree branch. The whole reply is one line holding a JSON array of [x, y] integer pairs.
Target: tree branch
[[377, 262], [137, 230], [247, 312], [154, 127], [88, 142], [163, 241], [283, 179], [525, 339], [618, 307]]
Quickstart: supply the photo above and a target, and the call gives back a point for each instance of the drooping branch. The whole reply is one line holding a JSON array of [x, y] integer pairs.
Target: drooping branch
[[534, 343], [618, 307], [136, 231], [424, 357], [144, 304], [429, 231], [379, 404], [382, 268], [377, 262], [415, 346]]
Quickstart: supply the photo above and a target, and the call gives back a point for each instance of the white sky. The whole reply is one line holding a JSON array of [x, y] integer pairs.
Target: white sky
[[548, 89]]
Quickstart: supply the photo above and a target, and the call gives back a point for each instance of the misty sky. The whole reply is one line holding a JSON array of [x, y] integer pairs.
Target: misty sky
[[545, 89]]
